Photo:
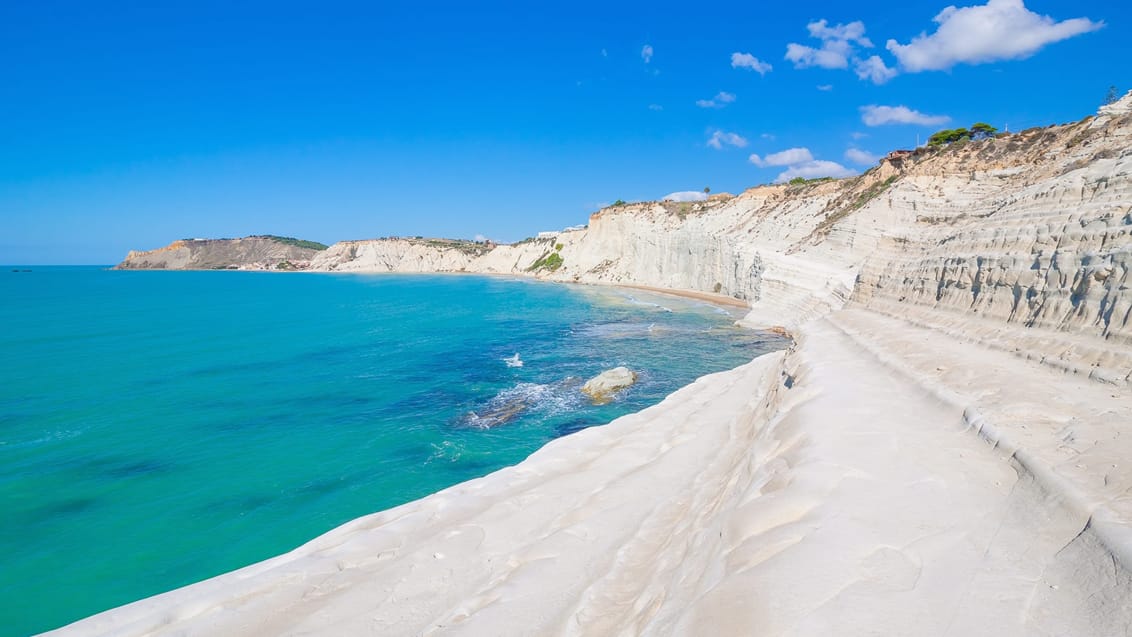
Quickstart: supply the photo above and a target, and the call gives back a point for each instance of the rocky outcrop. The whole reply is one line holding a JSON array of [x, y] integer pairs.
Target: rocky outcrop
[[601, 388], [264, 252]]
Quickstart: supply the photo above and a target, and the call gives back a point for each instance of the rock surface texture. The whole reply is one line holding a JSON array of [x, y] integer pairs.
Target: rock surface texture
[[946, 450], [601, 387]]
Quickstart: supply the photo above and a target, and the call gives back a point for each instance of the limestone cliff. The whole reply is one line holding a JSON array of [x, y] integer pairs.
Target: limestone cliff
[[265, 252], [1020, 242]]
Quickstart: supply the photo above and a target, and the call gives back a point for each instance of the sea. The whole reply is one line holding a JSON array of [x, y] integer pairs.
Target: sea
[[160, 428]]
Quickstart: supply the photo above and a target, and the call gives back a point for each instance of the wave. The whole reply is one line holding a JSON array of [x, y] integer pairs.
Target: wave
[[635, 301], [618, 330], [545, 399]]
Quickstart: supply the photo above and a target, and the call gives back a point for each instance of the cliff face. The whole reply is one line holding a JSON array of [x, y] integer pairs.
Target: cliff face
[[1020, 242], [249, 253]]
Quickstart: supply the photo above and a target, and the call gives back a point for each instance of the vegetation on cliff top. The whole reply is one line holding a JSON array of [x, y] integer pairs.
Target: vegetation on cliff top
[[978, 131], [291, 241]]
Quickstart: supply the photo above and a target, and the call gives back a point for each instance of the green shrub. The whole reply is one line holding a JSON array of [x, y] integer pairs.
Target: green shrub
[[802, 181], [978, 131], [549, 261], [298, 243]]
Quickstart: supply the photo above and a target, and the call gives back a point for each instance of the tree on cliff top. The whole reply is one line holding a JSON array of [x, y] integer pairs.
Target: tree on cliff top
[[977, 132], [982, 130]]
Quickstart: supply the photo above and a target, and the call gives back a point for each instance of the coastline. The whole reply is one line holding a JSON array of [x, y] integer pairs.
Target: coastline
[[731, 504], [939, 452], [450, 537], [91, 623], [716, 299]]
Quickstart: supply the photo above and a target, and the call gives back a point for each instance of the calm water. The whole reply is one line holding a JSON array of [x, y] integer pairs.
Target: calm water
[[158, 428]]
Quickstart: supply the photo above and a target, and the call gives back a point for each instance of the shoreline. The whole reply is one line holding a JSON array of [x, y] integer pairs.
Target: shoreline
[[113, 614], [732, 503], [710, 297], [353, 549]]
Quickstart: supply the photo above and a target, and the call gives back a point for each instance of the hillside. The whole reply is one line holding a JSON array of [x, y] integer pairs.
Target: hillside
[[261, 252]]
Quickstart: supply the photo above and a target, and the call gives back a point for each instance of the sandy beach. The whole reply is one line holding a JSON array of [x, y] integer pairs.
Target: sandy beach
[[717, 299]]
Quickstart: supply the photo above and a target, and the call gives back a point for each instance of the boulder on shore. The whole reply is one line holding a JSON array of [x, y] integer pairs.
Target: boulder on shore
[[600, 388]]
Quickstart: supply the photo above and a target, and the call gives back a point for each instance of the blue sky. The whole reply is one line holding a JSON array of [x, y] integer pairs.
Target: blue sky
[[125, 126]]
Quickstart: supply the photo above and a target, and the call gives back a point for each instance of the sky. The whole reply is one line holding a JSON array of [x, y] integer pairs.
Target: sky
[[128, 125]]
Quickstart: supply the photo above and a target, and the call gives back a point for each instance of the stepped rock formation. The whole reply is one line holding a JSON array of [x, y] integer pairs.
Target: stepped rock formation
[[249, 253], [944, 451]]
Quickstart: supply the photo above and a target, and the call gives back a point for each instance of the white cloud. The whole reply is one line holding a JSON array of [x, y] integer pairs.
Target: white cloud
[[481, 238], [748, 61], [825, 87], [646, 53], [786, 157], [874, 69], [998, 30], [815, 168], [686, 195], [858, 135], [838, 45], [800, 162], [852, 32], [719, 139], [769, 136], [862, 157], [723, 98], [874, 115], [656, 107]]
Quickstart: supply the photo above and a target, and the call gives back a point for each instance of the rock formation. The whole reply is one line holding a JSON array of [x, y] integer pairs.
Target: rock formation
[[265, 252], [601, 388]]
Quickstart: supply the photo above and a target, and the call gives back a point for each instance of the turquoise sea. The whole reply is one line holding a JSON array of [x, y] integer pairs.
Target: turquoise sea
[[159, 428]]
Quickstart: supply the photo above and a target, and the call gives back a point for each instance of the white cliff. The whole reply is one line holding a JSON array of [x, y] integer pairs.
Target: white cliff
[[1023, 239]]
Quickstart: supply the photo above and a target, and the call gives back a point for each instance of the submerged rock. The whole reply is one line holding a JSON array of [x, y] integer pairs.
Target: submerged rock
[[601, 387]]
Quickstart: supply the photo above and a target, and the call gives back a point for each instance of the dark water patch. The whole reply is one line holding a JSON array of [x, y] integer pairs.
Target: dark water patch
[[337, 402], [138, 469], [572, 426], [321, 487], [61, 510]]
